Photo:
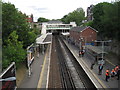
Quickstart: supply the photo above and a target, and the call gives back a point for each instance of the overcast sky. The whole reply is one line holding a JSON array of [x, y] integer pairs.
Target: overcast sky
[[51, 9]]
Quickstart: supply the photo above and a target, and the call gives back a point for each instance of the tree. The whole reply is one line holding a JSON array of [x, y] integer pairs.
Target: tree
[[106, 19], [14, 51], [16, 35], [76, 16], [15, 20], [41, 19]]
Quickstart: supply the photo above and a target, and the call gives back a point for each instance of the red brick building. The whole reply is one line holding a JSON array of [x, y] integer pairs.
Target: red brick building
[[85, 35]]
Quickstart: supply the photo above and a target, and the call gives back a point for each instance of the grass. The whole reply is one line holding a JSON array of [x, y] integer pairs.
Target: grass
[[20, 74]]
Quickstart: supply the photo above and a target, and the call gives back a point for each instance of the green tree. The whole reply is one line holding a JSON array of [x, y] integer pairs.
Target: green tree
[[15, 20], [13, 51], [76, 16], [90, 23], [106, 19], [31, 37], [98, 13], [16, 35], [41, 19]]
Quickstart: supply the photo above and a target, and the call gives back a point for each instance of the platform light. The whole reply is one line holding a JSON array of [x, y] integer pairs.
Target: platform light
[[103, 47]]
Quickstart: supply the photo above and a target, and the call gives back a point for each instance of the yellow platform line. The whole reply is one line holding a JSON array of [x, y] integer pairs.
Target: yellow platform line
[[92, 73], [110, 63], [41, 75]]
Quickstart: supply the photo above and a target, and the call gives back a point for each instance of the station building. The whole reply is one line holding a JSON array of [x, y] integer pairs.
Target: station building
[[85, 35], [48, 28]]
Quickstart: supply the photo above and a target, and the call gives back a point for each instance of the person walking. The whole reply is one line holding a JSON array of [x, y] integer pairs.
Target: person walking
[[107, 75], [100, 69]]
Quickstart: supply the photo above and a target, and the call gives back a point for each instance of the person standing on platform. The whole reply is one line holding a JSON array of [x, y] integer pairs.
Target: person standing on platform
[[107, 75], [118, 73], [113, 73], [92, 65], [100, 69], [116, 68]]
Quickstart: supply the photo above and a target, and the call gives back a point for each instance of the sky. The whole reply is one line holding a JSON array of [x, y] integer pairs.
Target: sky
[[51, 9]]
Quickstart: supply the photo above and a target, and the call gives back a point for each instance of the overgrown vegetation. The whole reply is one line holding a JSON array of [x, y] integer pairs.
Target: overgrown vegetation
[[41, 19], [16, 35], [76, 16], [107, 20]]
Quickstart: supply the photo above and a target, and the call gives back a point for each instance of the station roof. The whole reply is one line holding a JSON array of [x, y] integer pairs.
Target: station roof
[[44, 39], [66, 34], [82, 28], [95, 49]]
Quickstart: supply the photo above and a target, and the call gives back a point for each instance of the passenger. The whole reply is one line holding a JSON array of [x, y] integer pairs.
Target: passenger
[[116, 68], [113, 73], [107, 75], [92, 65], [80, 53], [100, 69], [83, 52], [118, 73]]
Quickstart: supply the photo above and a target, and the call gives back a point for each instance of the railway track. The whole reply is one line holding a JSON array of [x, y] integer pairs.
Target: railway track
[[54, 74], [67, 80], [65, 67]]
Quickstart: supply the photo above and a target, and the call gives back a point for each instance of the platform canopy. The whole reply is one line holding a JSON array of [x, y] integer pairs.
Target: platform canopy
[[96, 49], [66, 34], [42, 39]]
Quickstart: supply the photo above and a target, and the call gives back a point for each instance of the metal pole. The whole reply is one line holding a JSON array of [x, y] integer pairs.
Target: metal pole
[[43, 49], [85, 42], [29, 68], [37, 47], [102, 49], [29, 71], [80, 46]]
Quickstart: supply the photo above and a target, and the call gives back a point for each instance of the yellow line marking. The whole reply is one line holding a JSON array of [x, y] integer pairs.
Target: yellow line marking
[[41, 75], [110, 63], [49, 66], [94, 75], [93, 72]]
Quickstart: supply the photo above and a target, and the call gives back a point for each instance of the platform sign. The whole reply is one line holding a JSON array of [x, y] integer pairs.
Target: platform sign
[[8, 78], [101, 62], [30, 58]]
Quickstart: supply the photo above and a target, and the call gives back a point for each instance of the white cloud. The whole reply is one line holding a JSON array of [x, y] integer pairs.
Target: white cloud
[[51, 9]]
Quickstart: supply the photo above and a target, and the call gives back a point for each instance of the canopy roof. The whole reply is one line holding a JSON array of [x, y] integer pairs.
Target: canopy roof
[[95, 49]]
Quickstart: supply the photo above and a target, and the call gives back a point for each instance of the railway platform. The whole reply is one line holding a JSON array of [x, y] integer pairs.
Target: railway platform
[[98, 80], [39, 67]]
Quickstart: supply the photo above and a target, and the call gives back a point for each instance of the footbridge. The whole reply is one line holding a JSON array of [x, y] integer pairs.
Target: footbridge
[[56, 26]]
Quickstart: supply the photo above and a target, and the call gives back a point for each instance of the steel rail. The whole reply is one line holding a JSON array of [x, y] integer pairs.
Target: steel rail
[[65, 73]]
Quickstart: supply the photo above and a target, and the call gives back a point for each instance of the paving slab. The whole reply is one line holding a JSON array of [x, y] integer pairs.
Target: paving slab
[[88, 59], [32, 81]]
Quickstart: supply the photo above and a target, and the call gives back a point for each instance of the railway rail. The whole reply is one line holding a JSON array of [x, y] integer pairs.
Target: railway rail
[[68, 71], [67, 80]]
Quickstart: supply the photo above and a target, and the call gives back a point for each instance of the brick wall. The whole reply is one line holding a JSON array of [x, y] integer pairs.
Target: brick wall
[[89, 35]]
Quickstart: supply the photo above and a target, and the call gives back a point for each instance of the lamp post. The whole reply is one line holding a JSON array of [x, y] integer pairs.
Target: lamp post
[[80, 39], [103, 42], [85, 39]]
